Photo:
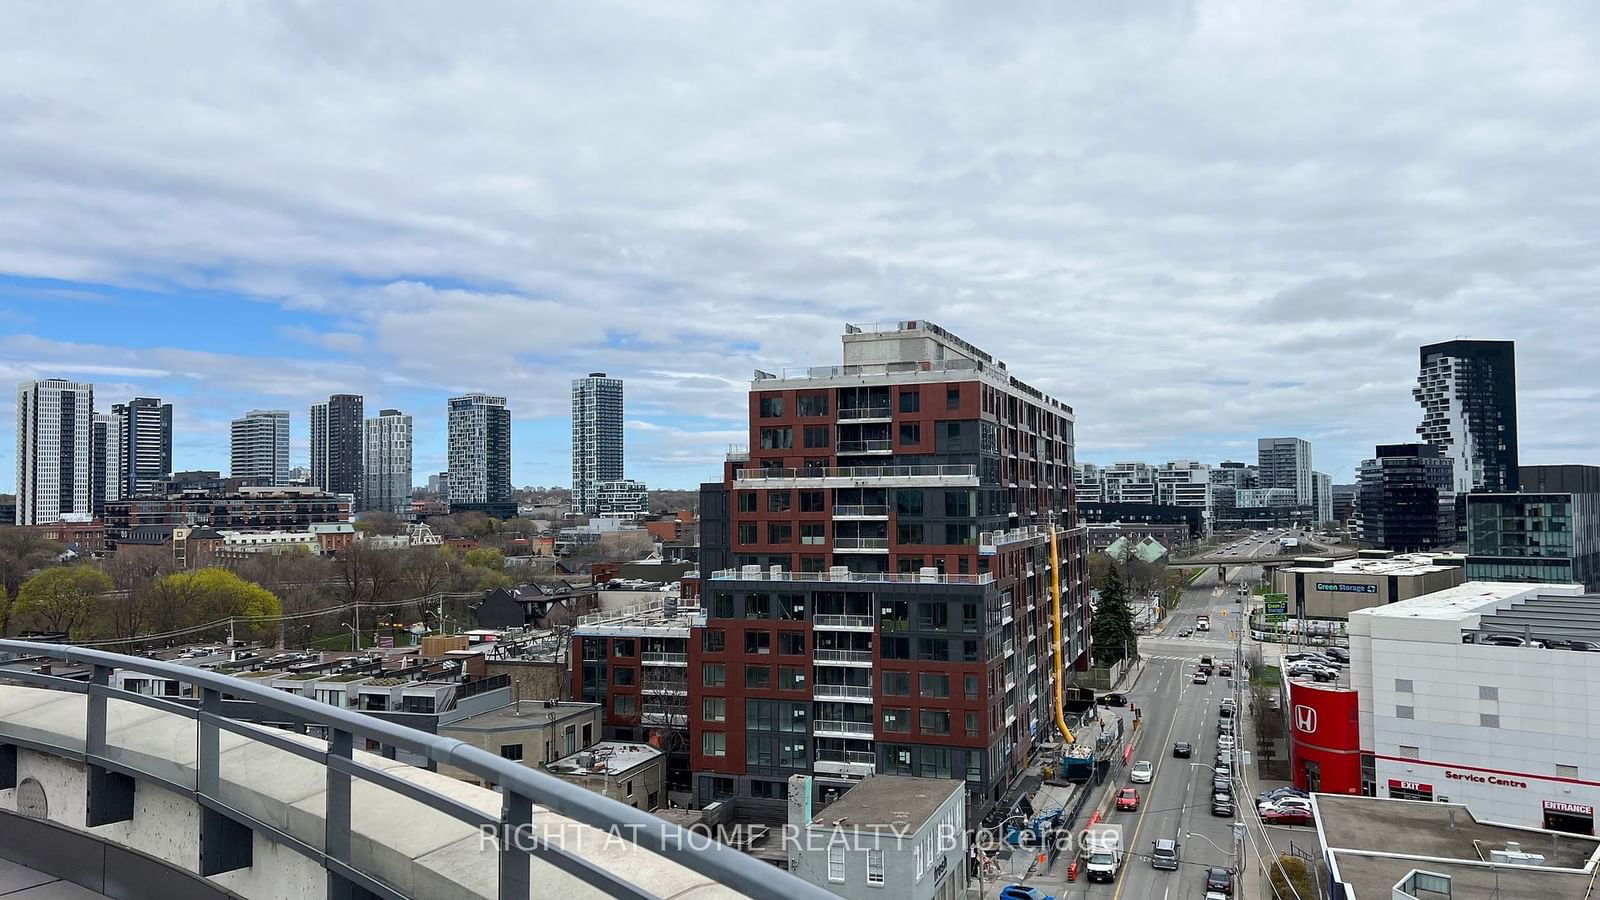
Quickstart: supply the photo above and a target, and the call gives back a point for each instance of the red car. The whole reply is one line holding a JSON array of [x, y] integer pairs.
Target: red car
[[1290, 816], [1128, 799]]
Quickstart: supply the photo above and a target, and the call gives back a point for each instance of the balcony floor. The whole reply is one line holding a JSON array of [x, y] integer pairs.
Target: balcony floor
[[18, 882]]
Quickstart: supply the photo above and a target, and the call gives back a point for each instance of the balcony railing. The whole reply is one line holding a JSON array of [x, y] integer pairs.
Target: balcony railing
[[826, 621], [990, 541], [870, 412], [856, 757], [844, 656], [861, 473], [860, 543], [841, 574], [738, 453], [865, 447], [835, 726], [861, 512], [665, 659], [842, 691], [333, 833]]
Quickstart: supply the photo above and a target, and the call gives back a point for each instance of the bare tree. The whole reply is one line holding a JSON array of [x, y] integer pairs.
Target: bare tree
[[22, 550]]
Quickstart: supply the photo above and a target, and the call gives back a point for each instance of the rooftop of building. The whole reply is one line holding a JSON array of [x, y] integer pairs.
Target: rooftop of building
[[1464, 602], [653, 614], [605, 758], [1407, 564], [889, 801], [1375, 842], [522, 714]]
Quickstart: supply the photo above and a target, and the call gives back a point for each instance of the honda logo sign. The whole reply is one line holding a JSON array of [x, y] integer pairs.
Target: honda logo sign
[[1305, 719]]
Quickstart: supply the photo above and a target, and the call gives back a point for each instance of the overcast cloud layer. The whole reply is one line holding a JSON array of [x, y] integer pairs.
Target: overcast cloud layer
[[1195, 222]]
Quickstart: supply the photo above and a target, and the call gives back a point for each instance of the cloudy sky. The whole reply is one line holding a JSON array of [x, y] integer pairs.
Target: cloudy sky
[[1195, 222]]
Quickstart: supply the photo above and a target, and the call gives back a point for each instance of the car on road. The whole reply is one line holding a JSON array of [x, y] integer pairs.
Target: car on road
[[1023, 892], [1220, 880], [1113, 699], [1220, 785], [1224, 742], [1183, 749], [1128, 798], [1186, 632], [1221, 804], [1200, 677], [1164, 854], [1225, 670], [1288, 816], [1142, 771]]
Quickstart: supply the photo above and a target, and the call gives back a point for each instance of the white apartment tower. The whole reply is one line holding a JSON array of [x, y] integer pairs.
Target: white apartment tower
[[480, 450], [1285, 462], [55, 459], [387, 469], [260, 446], [596, 437], [107, 452]]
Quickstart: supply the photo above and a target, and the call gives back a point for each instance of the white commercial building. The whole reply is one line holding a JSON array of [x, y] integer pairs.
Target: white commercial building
[[1448, 713], [387, 467], [55, 468], [260, 446]]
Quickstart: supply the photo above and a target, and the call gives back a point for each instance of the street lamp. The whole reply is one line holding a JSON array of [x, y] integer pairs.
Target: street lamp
[[355, 640], [1233, 863]]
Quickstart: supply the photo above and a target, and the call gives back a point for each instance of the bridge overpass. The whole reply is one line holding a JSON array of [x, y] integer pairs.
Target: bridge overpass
[[1270, 562]]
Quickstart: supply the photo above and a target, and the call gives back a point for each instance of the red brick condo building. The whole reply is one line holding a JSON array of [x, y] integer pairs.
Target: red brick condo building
[[875, 580]]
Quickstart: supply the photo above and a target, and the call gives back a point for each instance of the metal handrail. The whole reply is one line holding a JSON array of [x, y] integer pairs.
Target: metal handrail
[[928, 471], [521, 787]]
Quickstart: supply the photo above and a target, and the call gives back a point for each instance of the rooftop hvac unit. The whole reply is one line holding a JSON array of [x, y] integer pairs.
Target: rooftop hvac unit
[[1513, 855]]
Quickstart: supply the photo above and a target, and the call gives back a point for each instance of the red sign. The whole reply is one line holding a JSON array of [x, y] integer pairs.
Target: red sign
[[1396, 784], [1562, 806], [1324, 739]]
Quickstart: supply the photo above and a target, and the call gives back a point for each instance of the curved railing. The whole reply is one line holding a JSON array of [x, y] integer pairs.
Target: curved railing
[[521, 788]]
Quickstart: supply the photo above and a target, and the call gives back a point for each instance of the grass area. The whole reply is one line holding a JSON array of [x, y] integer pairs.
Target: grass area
[[1265, 675]]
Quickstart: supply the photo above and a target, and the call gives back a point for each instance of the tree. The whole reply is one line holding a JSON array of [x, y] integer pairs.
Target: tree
[[1291, 878], [1114, 637], [486, 558], [133, 566], [64, 598], [380, 521], [23, 549], [210, 595]]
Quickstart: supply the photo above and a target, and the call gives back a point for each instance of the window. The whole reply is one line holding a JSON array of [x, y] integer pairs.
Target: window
[[836, 864], [969, 651], [1410, 752], [1402, 686], [757, 606], [714, 743], [813, 563], [779, 501], [627, 787], [970, 722], [970, 620], [958, 504], [792, 643], [747, 501], [935, 684], [935, 721], [791, 678], [624, 705], [780, 533], [747, 533], [758, 642], [792, 607], [897, 720], [713, 675], [910, 433], [714, 709], [1487, 720], [952, 398], [910, 400], [622, 647], [812, 404], [1405, 712], [758, 677], [1488, 693], [588, 735], [933, 616], [1566, 771], [897, 684], [933, 649], [777, 438], [970, 685], [623, 676], [816, 436], [714, 640], [771, 406], [811, 501], [959, 533], [908, 533], [875, 859], [813, 533], [908, 503], [510, 751], [896, 648]]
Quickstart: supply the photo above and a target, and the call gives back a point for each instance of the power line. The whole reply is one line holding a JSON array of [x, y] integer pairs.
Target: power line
[[281, 618]]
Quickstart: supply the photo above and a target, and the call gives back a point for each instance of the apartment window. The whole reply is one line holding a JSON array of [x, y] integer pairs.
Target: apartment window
[[779, 501], [875, 860], [813, 563], [1410, 752], [714, 743], [896, 720], [935, 721], [757, 606], [624, 705], [933, 616], [933, 649], [588, 734], [771, 407], [957, 504], [780, 533], [758, 642], [1566, 771], [811, 501], [792, 607], [910, 433], [970, 684], [747, 501], [908, 533], [895, 648], [1487, 720], [713, 675], [909, 564], [935, 684], [897, 684], [759, 677], [816, 436], [622, 647], [747, 533], [959, 533], [970, 722], [1403, 686], [813, 533], [910, 400], [791, 678], [627, 787], [908, 503], [721, 605], [792, 643], [714, 709], [623, 676], [1405, 712], [812, 404], [777, 438], [836, 865], [970, 620], [511, 751], [1486, 692], [714, 640], [952, 398]]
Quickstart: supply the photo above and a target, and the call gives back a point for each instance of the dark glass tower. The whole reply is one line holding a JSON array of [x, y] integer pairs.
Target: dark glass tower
[[1468, 392]]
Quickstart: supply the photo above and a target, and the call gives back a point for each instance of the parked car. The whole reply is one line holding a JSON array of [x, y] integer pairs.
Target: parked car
[[1510, 640], [1113, 699], [1338, 653], [1142, 771], [1276, 793], [1229, 703], [1128, 798], [1224, 726], [1183, 750], [1588, 646], [1225, 712], [1288, 816], [1224, 742], [1285, 803], [1221, 804], [1220, 880], [1023, 892], [1164, 854]]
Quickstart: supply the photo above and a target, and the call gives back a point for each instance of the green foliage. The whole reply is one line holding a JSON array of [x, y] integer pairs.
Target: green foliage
[[63, 598], [1291, 878], [486, 558], [1114, 637], [211, 594]]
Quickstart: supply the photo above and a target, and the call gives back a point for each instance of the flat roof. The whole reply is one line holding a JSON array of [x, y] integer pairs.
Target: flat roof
[[887, 801], [1464, 601], [609, 758], [1376, 841], [1547, 616], [1409, 564], [521, 714]]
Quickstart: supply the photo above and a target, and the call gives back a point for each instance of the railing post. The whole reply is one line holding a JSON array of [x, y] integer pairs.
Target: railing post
[[516, 842], [109, 794], [336, 814]]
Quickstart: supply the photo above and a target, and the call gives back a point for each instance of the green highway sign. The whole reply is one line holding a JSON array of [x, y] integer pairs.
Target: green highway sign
[[1276, 607]]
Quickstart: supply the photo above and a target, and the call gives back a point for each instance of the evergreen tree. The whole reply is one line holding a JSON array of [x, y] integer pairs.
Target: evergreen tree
[[1114, 637]]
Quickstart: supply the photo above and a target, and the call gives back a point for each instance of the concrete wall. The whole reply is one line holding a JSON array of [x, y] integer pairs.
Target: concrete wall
[[531, 679], [633, 787], [928, 864], [532, 739]]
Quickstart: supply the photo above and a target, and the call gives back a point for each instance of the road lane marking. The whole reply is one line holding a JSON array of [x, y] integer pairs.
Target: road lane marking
[[1138, 824]]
